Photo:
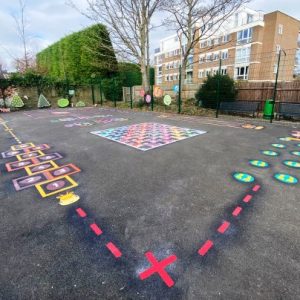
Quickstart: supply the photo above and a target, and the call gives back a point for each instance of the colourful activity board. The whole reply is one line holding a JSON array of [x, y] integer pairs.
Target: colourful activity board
[[147, 136]]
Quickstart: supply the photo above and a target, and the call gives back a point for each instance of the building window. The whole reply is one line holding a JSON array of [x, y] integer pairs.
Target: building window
[[278, 48], [249, 18], [201, 59], [226, 38], [243, 55], [159, 70], [224, 71], [200, 73], [209, 57], [244, 36], [216, 56], [158, 80], [280, 29], [203, 44], [242, 73], [208, 72], [224, 54]]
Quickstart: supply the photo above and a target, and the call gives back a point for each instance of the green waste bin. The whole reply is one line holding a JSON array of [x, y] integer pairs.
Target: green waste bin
[[268, 109]]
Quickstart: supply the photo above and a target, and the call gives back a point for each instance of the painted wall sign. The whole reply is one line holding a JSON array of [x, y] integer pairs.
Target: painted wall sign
[[167, 100]]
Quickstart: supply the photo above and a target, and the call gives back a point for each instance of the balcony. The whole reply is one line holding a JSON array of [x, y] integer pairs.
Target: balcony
[[259, 18], [242, 60], [244, 41]]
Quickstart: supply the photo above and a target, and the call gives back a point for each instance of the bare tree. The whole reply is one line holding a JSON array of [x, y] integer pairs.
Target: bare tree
[[194, 20], [129, 23], [26, 61]]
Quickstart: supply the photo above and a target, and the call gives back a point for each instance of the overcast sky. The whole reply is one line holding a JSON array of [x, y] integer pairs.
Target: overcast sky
[[50, 20]]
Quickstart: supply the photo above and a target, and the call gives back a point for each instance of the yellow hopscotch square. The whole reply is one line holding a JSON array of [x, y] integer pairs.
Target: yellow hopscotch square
[[29, 169], [19, 156], [22, 146], [42, 188]]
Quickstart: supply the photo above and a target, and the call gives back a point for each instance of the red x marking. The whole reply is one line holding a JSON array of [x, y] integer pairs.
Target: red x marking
[[158, 267]]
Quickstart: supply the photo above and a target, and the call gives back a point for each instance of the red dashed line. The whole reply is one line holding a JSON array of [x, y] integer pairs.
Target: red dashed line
[[114, 249], [256, 188], [247, 198], [206, 246], [223, 227], [96, 229], [81, 212], [237, 211]]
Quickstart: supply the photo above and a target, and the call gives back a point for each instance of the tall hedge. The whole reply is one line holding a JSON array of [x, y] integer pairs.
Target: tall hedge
[[79, 55]]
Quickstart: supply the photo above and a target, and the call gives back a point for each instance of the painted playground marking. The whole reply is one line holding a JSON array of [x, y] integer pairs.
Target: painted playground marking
[[159, 268], [270, 153], [147, 136], [45, 175], [280, 146], [243, 177], [292, 164], [286, 178], [259, 163]]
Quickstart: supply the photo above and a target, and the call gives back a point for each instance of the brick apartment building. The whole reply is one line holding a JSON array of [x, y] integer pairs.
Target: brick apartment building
[[247, 45]]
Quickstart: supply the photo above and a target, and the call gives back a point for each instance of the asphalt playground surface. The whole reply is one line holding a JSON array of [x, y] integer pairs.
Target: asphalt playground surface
[[168, 201]]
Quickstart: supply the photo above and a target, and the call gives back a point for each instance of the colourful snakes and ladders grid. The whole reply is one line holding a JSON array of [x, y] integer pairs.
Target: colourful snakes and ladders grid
[[147, 136]]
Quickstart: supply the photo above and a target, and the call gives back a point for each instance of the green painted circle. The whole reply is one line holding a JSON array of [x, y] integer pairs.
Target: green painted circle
[[281, 146], [297, 153], [259, 163], [63, 102], [286, 178], [292, 164], [167, 100], [243, 177], [270, 153], [298, 145]]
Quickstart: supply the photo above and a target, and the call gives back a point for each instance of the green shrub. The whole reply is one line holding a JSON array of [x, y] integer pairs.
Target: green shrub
[[80, 104], [63, 102], [43, 102], [207, 94], [17, 102], [112, 89]]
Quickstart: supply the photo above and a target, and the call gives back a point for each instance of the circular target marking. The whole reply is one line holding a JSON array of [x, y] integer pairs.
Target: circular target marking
[[270, 153], [55, 185], [286, 178], [280, 146], [297, 153], [259, 163], [243, 177], [292, 164]]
